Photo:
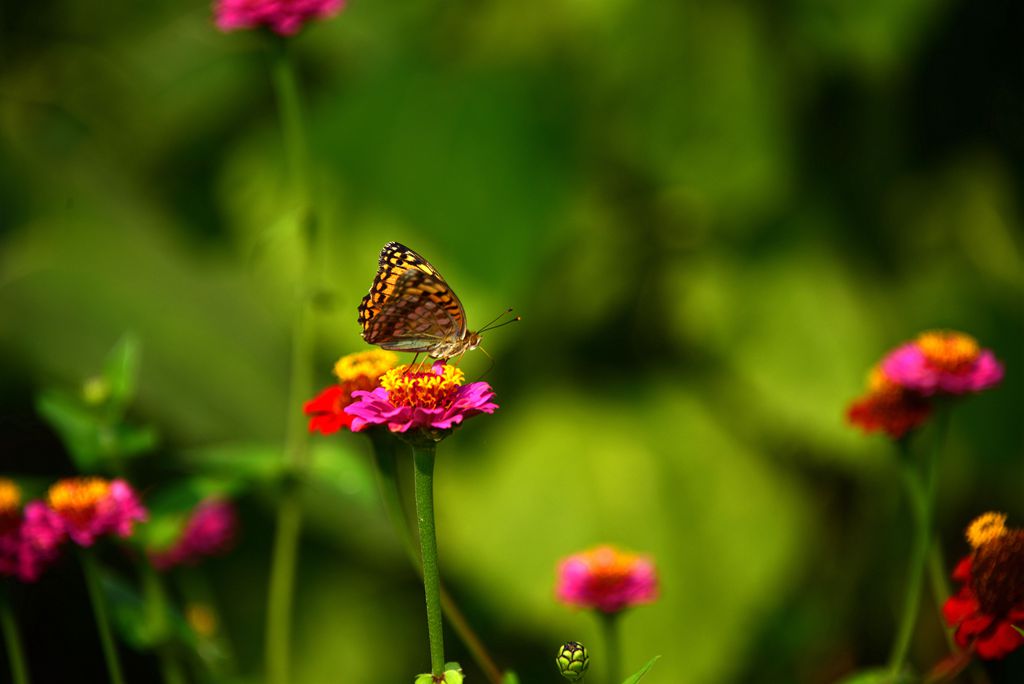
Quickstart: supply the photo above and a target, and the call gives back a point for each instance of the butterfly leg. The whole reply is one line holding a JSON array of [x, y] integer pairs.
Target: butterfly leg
[[411, 368]]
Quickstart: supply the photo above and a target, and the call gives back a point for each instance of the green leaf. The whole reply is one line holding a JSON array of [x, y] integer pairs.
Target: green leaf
[[132, 440], [877, 676], [143, 624], [510, 678], [639, 674], [1019, 630], [121, 371], [78, 428]]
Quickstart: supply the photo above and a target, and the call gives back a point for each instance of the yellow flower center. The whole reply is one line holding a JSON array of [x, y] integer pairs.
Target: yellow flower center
[[76, 498], [368, 365], [947, 350], [421, 390], [10, 498], [985, 528]]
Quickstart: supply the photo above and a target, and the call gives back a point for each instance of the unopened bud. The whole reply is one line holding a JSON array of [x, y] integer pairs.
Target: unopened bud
[[572, 661]]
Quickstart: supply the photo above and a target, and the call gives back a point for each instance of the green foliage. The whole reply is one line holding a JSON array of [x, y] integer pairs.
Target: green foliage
[[878, 676], [639, 674]]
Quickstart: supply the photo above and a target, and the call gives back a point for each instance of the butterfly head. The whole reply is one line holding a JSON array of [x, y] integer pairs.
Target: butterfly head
[[472, 340]]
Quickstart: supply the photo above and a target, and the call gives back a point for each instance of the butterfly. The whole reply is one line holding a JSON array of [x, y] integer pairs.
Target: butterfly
[[411, 308]]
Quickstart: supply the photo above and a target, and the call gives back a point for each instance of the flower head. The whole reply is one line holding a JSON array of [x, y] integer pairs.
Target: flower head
[[91, 507], [607, 579], [210, 530], [888, 408], [990, 601], [943, 362], [431, 400], [359, 371], [30, 539], [284, 17]]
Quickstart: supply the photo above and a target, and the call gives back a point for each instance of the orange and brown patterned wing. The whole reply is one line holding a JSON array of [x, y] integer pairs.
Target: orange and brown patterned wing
[[417, 317], [396, 260]]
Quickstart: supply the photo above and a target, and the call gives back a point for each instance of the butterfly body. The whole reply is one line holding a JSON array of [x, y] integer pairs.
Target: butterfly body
[[410, 307]]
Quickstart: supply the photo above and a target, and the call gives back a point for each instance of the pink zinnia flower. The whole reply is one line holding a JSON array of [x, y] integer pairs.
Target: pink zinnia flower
[[29, 540], [360, 371], [990, 602], [430, 400], [606, 579], [284, 17], [92, 507], [210, 530], [943, 362]]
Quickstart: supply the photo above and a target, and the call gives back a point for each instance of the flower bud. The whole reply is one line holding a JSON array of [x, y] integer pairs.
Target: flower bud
[[572, 661]]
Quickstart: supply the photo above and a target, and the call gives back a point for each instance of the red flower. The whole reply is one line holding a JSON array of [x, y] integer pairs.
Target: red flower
[[360, 371], [327, 410], [990, 602], [888, 408]]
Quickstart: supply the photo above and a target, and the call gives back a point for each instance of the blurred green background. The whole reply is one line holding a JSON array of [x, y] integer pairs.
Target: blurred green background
[[714, 217]]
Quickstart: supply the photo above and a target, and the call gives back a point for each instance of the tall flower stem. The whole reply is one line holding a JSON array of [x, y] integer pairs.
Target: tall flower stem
[[157, 605], [12, 640], [423, 460], [387, 478], [920, 481], [612, 646], [99, 609], [289, 513]]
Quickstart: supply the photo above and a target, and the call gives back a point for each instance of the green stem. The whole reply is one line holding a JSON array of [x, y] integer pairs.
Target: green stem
[[423, 458], [282, 582], [12, 639], [99, 608], [157, 609], [920, 485], [281, 586], [387, 479], [940, 588], [612, 646]]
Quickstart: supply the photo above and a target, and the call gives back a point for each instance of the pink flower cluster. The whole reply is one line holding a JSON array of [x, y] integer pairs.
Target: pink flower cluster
[[30, 541], [284, 17], [92, 507], [606, 579], [82, 509], [901, 387], [210, 530]]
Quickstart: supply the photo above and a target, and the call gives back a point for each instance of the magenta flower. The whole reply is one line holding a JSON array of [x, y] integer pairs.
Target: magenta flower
[[210, 530], [284, 17], [431, 400], [29, 540], [943, 362], [91, 507], [606, 579]]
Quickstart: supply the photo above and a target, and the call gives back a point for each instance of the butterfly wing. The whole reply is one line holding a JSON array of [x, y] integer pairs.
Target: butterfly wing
[[395, 261], [417, 316]]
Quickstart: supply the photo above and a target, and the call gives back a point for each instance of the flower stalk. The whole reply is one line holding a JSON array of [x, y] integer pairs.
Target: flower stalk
[[423, 460], [387, 478], [289, 513], [612, 646], [99, 607], [12, 640], [920, 481]]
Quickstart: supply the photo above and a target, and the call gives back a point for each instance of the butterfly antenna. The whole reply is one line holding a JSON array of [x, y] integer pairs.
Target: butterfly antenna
[[502, 325], [500, 316]]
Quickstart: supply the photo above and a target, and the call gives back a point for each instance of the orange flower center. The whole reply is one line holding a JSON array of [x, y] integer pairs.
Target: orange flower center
[[997, 575], [949, 351], [10, 503], [422, 390], [76, 498], [985, 528], [608, 566]]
